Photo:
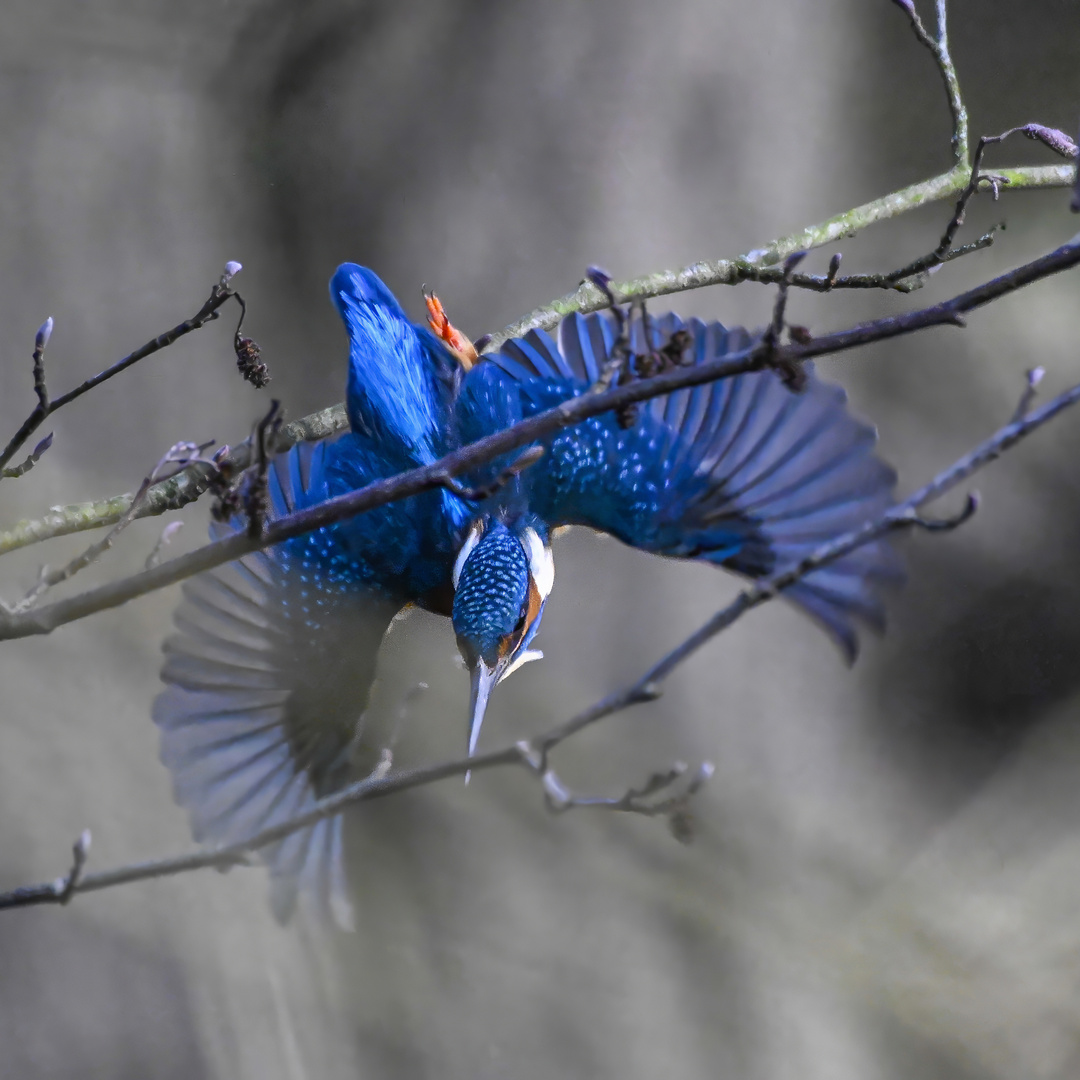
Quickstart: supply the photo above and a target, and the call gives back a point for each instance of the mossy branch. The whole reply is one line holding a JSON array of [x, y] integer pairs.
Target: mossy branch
[[189, 485], [171, 494]]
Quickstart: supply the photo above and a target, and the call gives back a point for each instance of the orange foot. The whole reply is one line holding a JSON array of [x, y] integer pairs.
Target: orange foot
[[455, 340]]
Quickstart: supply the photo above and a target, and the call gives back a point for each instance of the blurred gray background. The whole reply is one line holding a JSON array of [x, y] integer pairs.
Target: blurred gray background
[[886, 875]]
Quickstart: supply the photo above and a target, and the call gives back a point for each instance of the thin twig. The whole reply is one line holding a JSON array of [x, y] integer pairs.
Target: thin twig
[[64, 887], [256, 497], [914, 273], [906, 279], [619, 355], [45, 619], [171, 494], [1031, 389], [178, 456], [45, 407], [32, 459], [789, 371], [527, 458], [939, 48], [533, 754], [673, 805], [41, 341], [163, 541]]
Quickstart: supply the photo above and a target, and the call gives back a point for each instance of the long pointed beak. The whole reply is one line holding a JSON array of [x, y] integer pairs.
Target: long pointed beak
[[483, 682]]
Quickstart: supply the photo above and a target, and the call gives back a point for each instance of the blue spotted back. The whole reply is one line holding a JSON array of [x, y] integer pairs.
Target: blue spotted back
[[743, 472]]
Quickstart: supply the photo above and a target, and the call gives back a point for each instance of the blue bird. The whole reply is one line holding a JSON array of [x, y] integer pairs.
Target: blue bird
[[268, 675]]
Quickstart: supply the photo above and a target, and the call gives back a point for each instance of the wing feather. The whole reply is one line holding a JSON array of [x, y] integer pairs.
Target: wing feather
[[266, 681], [743, 472]]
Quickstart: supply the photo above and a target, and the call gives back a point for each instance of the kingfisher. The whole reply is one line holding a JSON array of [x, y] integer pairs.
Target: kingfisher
[[268, 675]]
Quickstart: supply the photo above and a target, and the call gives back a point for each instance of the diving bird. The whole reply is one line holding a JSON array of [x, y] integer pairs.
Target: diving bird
[[268, 675]]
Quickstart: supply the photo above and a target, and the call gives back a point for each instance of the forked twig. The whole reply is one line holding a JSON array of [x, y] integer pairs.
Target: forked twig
[[220, 294]]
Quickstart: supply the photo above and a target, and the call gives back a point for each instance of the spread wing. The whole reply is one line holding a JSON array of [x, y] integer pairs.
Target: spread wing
[[266, 681], [743, 472]]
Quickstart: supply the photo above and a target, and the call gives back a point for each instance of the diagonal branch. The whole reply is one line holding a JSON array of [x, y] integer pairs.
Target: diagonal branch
[[177, 457], [950, 312], [171, 494], [533, 754], [757, 265], [46, 406], [705, 272], [587, 297]]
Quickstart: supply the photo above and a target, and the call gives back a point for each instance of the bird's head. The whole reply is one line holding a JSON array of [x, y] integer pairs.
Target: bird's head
[[502, 578]]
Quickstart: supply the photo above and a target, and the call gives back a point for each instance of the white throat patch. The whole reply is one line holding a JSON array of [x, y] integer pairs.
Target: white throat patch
[[471, 541], [541, 561]]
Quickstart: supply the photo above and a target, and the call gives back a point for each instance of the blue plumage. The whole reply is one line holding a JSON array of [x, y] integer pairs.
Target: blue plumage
[[743, 472], [490, 593], [400, 375], [269, 673]]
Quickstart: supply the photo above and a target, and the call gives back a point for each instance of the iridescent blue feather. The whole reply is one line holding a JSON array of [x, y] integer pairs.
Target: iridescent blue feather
[[400, 375], [744, 472]]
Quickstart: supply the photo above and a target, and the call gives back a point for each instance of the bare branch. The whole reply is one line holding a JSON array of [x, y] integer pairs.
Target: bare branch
[[45, 407], [180, 456], [34, 457], [1031, 389], [950, 312], [171, 494], [939, 48], [533, 754]]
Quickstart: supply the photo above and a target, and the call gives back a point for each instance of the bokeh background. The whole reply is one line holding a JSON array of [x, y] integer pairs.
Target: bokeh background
[[886, 875]]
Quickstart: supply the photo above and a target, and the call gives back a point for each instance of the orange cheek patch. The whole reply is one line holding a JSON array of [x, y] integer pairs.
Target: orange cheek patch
[[512, 642], [532, 609]]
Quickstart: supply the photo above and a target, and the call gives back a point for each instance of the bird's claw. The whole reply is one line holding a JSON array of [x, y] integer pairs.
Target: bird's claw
[[442, 328]]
